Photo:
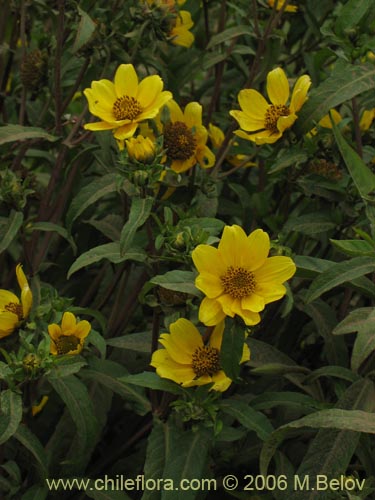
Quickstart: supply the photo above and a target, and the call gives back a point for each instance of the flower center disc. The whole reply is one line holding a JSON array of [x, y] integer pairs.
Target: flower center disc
[[179, 141], [66, 343], [126, 108], [238, 282], [15, 309], [205, 361], [273, 113]]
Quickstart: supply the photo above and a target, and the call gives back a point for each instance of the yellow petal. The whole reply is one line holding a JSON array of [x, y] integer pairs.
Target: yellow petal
[[270, 291], [285, 122], [299, 95], [7, 297], [275, 270], [234, 246], [205, 157], [8, 323], [27, 301], [326, 122], [183, 341], [126, 81], [253, 104], [222, 382], [54, 331], [277, 87], [210, 312], [216, 337], [180, 166], [126, 131], [82, 329], [226, 302], [253, 302], [207, 259], [247, 123], [167, 368], [148, 90], [175, 112], [366, 119], [245, 353], [209, 284], [68, 323], [262, 137], [250, 318], [193, 114], [99, 126], [259, 247], [103, 94]]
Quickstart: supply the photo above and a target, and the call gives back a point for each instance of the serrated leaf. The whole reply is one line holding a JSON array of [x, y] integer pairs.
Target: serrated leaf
[[14, 224], [10, 413], [139, 212], [85, 31], [34, 446], [76, 397], [89, 194], [248, 417], [338, 274], [12, 133], [109, 251], [345, 82], [179, 281], [362, 176]]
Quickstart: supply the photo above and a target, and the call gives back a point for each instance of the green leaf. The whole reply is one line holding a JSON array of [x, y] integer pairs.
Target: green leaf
[[288, 399], [140, 342], [179, 281], [351, 14], [109, 251], [332, 371], [312, 223], [65, 366], [331, 451], [85, 31], [345, 82], [354, 248], [230, 33], [139, 212], [34, 446], [152, 381], [11, 133], [89, 194], [347, 420], [76, 397], [231, 349], [248, 417], [338, 274], [49, 226], [362, 176], [10, 413], [14, 224], [109, 374], [155, 456]]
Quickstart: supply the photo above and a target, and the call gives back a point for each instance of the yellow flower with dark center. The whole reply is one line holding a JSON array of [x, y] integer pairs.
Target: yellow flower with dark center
[[185, 138], [267, 122], [125, 103], [279, 5], [141, 148], [69, 338], [12, 310], [238, 277], [188, 361]]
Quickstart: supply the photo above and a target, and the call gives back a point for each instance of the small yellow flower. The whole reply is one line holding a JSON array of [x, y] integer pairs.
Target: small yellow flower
[[12, 310], [69, 338], [325, 122], [141, 148], [366, 119], [180, 34], [188, 361], [216, 136], [267, 122], [125, 103], [280, 3], [238, 277], [185, 138]]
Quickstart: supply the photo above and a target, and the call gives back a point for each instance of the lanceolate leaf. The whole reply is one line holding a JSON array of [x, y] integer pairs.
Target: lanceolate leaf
[[11, 133], [13, 226], [338, 274], [139, 213], [248, 417], [86, 30], [345, 82], [34, 446], [10, 414], [178, 280]]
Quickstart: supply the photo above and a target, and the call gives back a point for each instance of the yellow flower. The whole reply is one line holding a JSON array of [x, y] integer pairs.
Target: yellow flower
[[280, 3], [124, 103], [180, 34], [69, 338], [185, 138], [12, 310], [267, 122], [237, 160], [141, 148], [366, 119], [325, 122], [238, 277], [188, 361]]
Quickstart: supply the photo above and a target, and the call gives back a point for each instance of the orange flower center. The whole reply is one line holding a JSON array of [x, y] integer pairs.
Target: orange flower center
[[238, 282], [15, 309], [179, 141], [205, 361], [273, 113], [67, 343], [126, 108]]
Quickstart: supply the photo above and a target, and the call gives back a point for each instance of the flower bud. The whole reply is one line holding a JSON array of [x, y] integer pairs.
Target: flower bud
[[141, 149]]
